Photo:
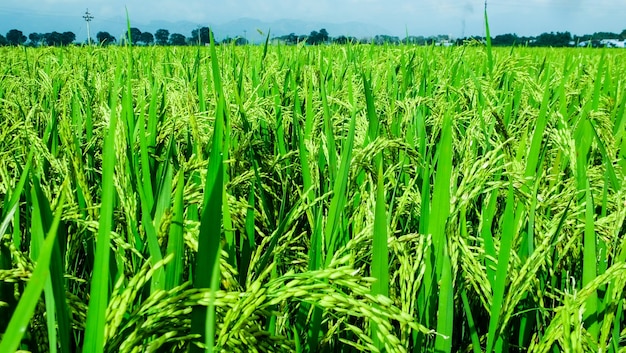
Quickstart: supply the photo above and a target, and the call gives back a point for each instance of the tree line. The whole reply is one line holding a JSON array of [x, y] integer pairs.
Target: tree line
[[16, 37], [163, 37], [558, 39], [200, 36]]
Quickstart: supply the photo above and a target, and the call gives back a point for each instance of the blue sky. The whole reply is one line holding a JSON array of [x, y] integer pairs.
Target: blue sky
[[397, 17]]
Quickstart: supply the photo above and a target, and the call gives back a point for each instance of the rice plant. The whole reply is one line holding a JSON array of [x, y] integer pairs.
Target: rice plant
[[312, 199]]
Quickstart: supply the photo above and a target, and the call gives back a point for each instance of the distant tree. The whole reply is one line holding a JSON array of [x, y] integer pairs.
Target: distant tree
[[147, 38], [605, 35], [313, 38], [323, 35], [344, 40], [340, 40], [67, 38], [583, 38], [162, 35], [52, 38], [3, 41], [559, 39], [200, 36], [134, 35], [35, 38], [381, 39], [16, 37], [418, 40], [58, 39], [178, 39], [105, 38], [507, 39], [289, 39], [316, 37]]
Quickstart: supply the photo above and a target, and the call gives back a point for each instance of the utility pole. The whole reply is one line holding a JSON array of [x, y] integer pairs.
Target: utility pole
[[88, 19]]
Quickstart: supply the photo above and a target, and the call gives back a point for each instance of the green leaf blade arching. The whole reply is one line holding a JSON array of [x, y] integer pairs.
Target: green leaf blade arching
[[207, 271], [26, 306]]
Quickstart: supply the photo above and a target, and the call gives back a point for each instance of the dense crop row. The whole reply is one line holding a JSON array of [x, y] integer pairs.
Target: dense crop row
[[311, 199]]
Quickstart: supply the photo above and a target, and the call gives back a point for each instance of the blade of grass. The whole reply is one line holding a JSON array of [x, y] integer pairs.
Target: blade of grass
[[329, 133], [476, 347], [615, 334], [425, 299], [207, 273], [488, 39], [175, 244], [54, 290], [163, 198], [29, 299], [146, 178], [437, 228], [380, 251], [590, 260], [333, 236], [487, 216], [372, 117], [9, 213], [248, 244], [37, 241], [506, 241], [10, 207], [610, 171], [99, 291], [153, 243]]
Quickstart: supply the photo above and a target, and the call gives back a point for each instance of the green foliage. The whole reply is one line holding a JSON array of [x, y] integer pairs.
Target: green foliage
[[15, 37], [312, 198]]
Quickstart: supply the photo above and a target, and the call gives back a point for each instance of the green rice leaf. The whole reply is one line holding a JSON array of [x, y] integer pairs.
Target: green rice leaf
[[589, 268], [99, 291], [380, 251], [207, 273], [54, 290], [175, 243], [506, 241], [29, 299], [437, 228]]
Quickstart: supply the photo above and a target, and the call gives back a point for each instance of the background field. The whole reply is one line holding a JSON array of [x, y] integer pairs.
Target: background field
[[312, 199]]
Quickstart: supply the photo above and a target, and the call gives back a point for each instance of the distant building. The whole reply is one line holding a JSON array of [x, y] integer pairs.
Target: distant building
[[444, 43], [606, 43], [613, 43]]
